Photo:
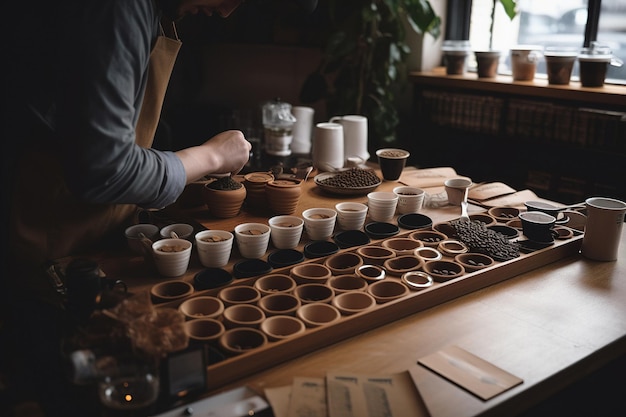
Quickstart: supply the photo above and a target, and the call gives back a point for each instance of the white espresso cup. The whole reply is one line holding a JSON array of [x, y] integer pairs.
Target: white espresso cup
[[354, 136], [328, 146]]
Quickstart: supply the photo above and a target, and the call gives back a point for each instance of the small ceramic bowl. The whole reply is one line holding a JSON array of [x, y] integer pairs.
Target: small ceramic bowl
[[177, 231], [446, 228], [314, 293], [402, 245], [346, 283], [401, 264], [354, 302], [243, 315], [318, 314], [442, 271], [375, 255], [240, 340], [274, 283], [136, 234], [503, 214], [282, 327], [170, 291], [310, 273], [343, 263], [482, 217], [472, 261], [239, 294], [207, 307], [385, 291], [204, 330], [281, 303], [428, 237]]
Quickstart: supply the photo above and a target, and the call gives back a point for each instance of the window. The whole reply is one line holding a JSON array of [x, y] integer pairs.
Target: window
[[562, 24]]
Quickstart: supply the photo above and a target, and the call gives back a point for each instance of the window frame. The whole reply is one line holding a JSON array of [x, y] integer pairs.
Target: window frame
[[458, 17]]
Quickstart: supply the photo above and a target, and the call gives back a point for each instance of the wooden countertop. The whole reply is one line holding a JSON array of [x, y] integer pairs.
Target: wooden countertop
[[550, 326]]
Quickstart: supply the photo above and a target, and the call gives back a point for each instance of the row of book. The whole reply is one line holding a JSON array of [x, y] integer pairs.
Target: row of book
[[478, 114], [526, 119], [578, 126]]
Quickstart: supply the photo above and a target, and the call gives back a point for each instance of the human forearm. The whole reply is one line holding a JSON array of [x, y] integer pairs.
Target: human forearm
[[225, 153]]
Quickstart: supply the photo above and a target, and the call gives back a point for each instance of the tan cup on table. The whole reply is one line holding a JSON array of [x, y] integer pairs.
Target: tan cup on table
[[456, 188], [605, 218]]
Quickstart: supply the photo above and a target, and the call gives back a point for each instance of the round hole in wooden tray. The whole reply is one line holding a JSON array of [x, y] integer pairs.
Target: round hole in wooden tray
[[472, 261], [503, 214], [443, 270], [401, 264], [428, 237]]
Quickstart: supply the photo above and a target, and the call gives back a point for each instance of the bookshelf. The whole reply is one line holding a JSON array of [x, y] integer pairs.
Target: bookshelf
[[563, 142]]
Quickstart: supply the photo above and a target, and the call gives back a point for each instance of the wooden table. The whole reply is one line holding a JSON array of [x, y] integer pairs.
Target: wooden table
[[550, 326]]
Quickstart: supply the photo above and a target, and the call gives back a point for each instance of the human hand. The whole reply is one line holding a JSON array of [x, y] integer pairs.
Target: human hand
[[226, 152]]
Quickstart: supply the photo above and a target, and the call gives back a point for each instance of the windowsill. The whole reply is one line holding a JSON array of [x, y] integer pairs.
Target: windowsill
[[609, 95]]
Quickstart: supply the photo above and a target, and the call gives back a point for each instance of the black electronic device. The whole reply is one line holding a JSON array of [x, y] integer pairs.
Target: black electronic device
[[183, 375]]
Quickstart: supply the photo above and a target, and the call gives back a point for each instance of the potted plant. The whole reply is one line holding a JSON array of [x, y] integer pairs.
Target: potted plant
[[487, 61], [363, 60]]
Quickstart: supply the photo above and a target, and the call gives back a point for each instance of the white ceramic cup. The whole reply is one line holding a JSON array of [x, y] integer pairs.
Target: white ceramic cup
[[252, 239], [171, 256], [214, 247], [286, 231], [410, 199], [350, 215], [382, 205], [354, 136], [302, 129], [135, 240], [328, 146], [605, 218], [319, 222], [177, 230], [456, 188]]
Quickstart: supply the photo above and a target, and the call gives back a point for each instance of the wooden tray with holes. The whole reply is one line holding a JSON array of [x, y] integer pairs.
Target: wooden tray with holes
[[274, 352]]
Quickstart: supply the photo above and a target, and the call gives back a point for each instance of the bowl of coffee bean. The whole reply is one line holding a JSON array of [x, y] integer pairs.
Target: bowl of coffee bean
[[351, 181]]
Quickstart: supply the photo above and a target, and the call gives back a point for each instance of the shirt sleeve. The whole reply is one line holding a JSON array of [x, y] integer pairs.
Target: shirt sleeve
[[105, 65]]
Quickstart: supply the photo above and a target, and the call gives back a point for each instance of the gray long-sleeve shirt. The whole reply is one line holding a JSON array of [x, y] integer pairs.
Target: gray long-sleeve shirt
[[89, 95]]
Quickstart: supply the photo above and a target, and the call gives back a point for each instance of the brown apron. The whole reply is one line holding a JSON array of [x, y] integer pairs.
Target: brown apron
[[47, 222]]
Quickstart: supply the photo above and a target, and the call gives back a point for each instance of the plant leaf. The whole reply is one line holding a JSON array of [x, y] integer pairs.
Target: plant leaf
[[510, 7]]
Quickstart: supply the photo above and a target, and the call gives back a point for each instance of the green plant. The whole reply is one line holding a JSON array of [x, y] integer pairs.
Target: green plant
[[510, 8], [363, 64]]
